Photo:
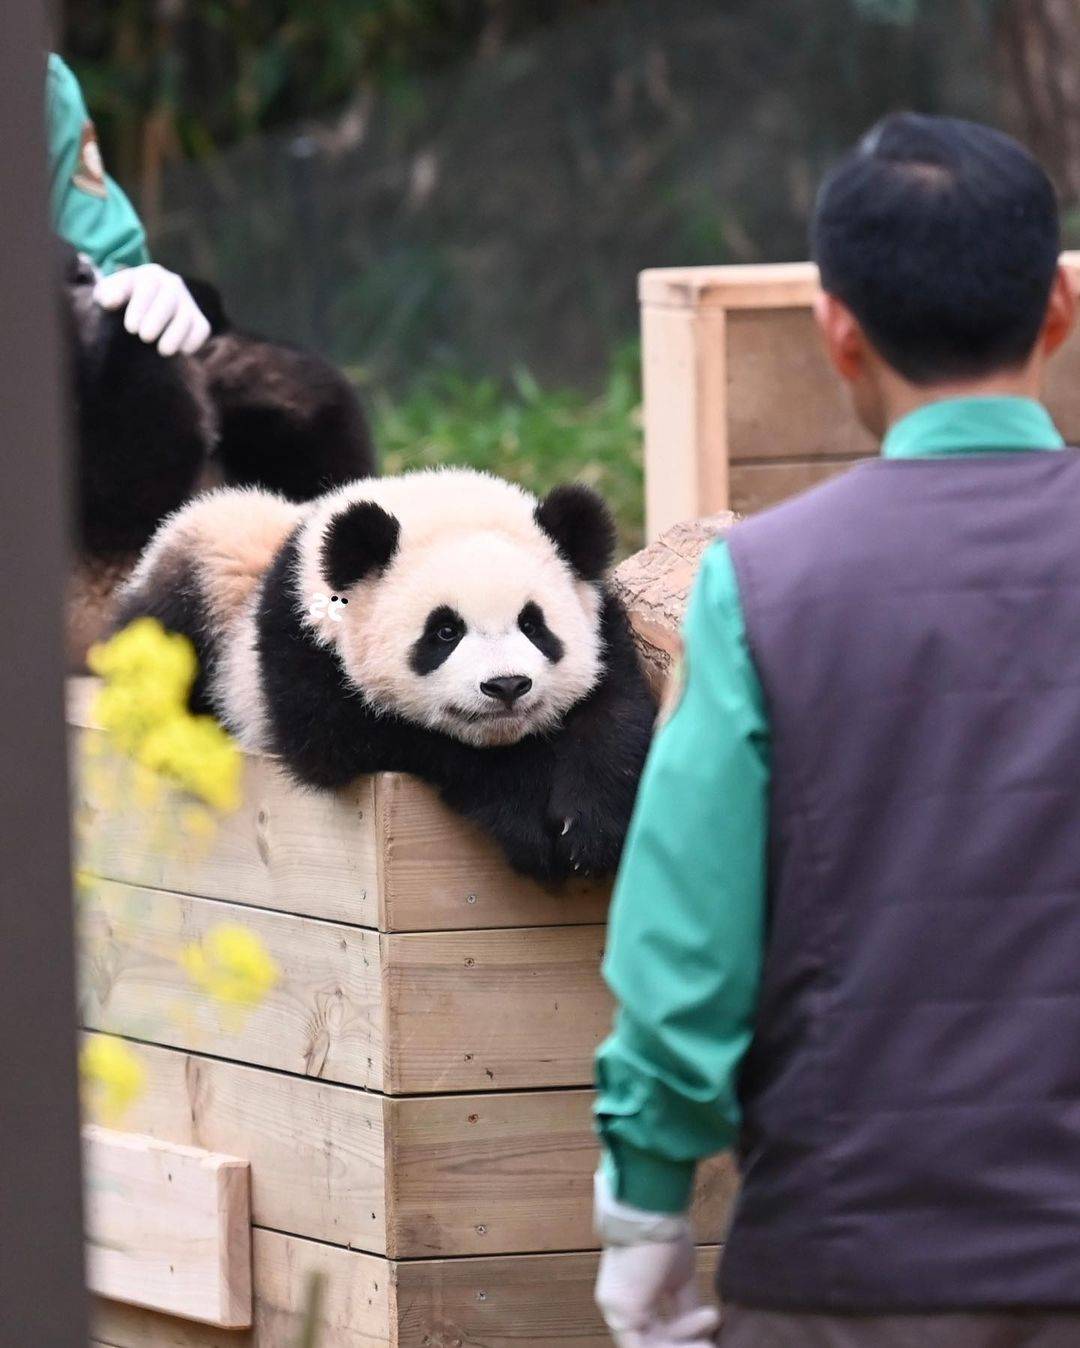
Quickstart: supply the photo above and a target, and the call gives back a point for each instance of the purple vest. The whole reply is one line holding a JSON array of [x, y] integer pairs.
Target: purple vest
[[912, 1097]]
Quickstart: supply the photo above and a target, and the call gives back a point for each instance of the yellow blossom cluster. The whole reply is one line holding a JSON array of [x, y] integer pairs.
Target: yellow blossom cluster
[[112, 1078], [148, 674], [232, 965]]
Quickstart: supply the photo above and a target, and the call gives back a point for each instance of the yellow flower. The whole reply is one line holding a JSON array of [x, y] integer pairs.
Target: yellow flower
[[196, 753], [148, 674], [232, 965], [112, 1078]]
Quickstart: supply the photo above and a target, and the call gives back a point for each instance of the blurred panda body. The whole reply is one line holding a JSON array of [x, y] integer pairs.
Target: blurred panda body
[[151, 430], [444, 624]]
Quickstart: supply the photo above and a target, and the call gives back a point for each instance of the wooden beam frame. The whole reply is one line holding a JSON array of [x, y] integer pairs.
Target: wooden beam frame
[[740, 406]]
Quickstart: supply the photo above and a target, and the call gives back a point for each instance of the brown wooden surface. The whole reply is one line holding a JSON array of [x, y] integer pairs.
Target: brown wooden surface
[[440, 872], [168, 1227], [507, 1174], [755, 486], [528, 1301], [316, 1150], [784, 401], [754, 286], [357, 1303], [323, 1019], [471, 1174], [521, 1301], [740, 404], [384, 852], [493, 1010], [290, 850]]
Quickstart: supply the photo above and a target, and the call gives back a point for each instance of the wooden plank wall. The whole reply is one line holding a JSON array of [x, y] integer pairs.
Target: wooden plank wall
[[741, 407], [413, 1095]]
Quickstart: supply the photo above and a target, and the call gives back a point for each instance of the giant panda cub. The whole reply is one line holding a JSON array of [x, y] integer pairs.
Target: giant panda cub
[[442, 623]]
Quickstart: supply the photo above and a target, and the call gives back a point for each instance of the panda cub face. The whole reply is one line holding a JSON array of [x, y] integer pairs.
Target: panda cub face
[[484, 632]]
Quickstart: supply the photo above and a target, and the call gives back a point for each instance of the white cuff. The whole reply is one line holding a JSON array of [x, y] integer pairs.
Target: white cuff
[[618, 1223]]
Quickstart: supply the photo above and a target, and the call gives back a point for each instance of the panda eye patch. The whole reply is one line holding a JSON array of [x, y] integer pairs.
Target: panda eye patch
[[533, 624], [442, 632]]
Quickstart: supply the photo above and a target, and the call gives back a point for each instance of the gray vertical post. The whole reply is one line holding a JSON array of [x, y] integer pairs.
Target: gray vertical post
[[42, 1302]]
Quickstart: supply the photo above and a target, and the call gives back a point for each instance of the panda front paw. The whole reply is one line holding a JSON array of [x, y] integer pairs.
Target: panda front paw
[[586, 834]]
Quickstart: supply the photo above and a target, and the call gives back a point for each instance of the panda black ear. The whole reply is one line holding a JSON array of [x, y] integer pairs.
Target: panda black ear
[[580, 525], [359, 541]]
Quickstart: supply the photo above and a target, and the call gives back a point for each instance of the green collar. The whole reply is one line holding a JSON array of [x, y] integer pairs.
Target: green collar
[[972, 426]]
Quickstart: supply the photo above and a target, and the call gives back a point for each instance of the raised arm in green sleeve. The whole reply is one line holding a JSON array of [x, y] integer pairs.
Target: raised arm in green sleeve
[[87, 207], [687, 922]]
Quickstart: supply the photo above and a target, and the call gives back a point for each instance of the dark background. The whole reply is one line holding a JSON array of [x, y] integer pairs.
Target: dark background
[[475, 183]]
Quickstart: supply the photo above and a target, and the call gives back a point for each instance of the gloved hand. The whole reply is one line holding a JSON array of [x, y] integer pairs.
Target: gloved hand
[[646, 1288], [649, 1299], [159, 305]]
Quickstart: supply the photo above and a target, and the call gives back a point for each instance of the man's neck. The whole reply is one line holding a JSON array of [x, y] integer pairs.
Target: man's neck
[[901, 398]]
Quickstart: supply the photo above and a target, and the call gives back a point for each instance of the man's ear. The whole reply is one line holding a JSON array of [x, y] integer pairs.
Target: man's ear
[[1060, 311], [580, 525], [359, 542], [842, 335]]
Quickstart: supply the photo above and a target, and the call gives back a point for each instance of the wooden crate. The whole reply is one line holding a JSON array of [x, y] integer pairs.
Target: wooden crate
[[413, 1096], [741, 406]]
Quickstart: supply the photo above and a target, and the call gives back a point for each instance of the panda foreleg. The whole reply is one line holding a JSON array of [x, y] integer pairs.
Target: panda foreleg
[[599, 755]]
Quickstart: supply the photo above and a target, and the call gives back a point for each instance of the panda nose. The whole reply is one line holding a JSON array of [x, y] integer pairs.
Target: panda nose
[[507, 689]]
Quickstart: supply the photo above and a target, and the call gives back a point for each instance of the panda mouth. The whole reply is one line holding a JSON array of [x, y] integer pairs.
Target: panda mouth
[[496, 714]]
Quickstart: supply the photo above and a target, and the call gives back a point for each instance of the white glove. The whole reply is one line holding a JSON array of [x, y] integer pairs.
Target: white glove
[[648, 1296], [159, 305], [646, 1288]]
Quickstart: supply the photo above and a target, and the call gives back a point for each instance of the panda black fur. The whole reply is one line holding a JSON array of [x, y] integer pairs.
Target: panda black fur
[[150, 430], [288, 420], [474, 644]]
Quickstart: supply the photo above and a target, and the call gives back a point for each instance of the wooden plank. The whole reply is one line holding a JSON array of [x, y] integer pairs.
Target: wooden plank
[[168, 1227], [757, 485], [355, 1313], [507, 1174], [683, 371], [323, 1019], [316, 1150], [755, 286], [521, 1301], [439, 872], [524, 1301], [493, 1010], [783, 399], [285, 849]]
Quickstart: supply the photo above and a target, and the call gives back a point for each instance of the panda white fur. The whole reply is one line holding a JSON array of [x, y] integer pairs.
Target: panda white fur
[[442, 623]]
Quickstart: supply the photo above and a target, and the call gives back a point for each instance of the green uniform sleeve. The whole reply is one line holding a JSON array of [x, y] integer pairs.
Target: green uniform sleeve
[[87, 207], [687, 923]]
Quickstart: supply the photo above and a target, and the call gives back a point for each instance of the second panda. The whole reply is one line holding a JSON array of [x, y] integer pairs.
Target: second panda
[[443, 623]]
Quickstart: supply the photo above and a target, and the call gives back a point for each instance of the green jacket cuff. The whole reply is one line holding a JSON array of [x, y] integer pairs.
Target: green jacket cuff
[[642, 1179]]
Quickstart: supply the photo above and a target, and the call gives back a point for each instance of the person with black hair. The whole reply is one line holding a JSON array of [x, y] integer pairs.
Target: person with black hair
[[845, 938]]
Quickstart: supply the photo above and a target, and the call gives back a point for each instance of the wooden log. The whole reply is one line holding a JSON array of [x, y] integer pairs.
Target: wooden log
[[168, 1227], [317, 1150], [655, 585]]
